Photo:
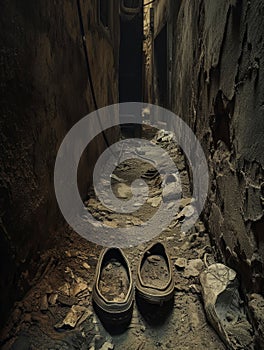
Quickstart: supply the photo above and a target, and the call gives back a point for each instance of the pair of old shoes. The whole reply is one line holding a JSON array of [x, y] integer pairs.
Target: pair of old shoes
[[113, 292]]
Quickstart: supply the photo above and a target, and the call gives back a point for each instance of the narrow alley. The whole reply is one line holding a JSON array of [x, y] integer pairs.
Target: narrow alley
[[131, 182]]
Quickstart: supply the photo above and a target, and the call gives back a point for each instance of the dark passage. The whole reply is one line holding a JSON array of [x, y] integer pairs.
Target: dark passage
[[161, 67], [59, 62]]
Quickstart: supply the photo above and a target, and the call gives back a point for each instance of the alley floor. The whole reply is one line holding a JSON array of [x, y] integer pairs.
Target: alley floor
[[57, 312]]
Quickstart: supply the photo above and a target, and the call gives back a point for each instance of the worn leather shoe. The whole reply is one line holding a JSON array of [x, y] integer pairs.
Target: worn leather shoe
[[154, 283], [113, 291]]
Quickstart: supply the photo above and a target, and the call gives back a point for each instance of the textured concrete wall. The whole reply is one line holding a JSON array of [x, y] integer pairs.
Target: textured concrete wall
[[44, 92], [218, 88]]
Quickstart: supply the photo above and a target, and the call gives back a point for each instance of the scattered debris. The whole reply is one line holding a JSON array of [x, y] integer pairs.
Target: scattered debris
[[154, 202], [184, 202], [256, 306], [44, 303], [68, 286], [65, 288], [187, 211], [78, 287], [116, 178], [86, 266], [107, 346], [77, 313], [193, 268], [171, 191], [180, 263], [123, 191], [53, 298]]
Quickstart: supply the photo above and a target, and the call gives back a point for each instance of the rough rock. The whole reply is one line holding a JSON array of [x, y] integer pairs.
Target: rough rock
[[193, 268], [77, 313], [256, 306], [180, 263], [107, 346]]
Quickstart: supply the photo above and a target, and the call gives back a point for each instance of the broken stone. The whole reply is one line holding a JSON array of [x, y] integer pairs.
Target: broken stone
[[180, 263], [112, 224], [76, 313], [153, 258], [68, 270], [78, 287], [171, 191], [107, 346], [136, 221], [184, 202], [170, 205], [65, 288], [44, 303], [154, 202], [53, 298], [173, 224], [223, 306], [66, 300], [188, 211], [87, 313], [86, 266], [124, 191], [194, 288], [193, 268]]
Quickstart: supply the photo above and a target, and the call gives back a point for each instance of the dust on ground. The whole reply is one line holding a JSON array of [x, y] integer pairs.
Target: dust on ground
[[57, 312]]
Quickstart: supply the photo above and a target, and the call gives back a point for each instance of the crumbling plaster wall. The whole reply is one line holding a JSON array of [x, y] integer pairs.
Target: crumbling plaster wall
[[44, 92], [218, 89]]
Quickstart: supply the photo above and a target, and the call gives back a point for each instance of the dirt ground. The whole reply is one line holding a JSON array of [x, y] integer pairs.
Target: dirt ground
[[57, 312]]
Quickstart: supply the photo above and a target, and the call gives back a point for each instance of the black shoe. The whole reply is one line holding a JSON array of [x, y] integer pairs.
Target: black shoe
[[113, 291]]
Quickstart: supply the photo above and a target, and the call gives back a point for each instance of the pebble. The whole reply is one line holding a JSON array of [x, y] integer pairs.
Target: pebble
[[44, 303], [86, 266], [53, 298], [143, 328], [107, 346], [193, 268], [180, 263]]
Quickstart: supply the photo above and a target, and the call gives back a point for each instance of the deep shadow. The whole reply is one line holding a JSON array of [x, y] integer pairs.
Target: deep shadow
[[113, 328], [161, 66], [130, 65], [155, 315]]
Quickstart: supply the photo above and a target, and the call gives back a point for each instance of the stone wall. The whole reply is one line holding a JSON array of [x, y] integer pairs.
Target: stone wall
[[44, 92], [217, 87]]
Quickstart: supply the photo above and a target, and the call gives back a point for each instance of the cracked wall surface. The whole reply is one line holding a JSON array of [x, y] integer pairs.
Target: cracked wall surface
[[44, 92], [217, 87], [219, 90]]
